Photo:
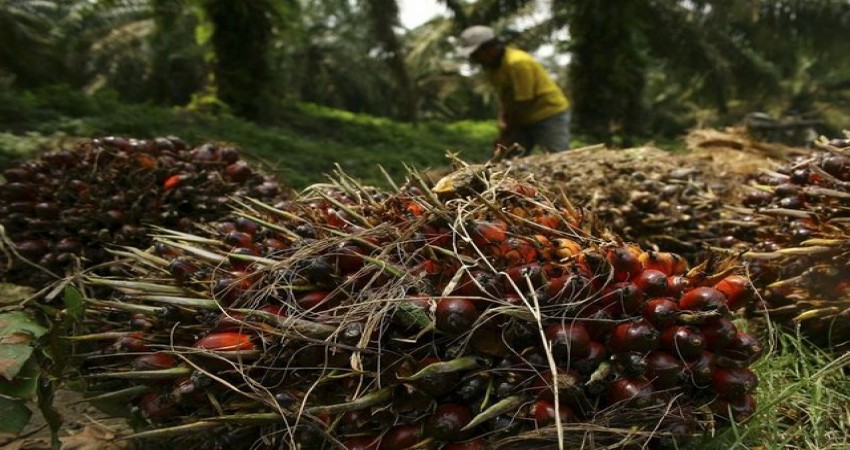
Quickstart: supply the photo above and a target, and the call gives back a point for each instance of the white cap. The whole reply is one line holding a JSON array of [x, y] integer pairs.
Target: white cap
[[472, 38]]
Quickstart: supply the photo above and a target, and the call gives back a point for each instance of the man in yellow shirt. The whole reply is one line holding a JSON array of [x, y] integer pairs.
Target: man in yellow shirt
[[533, 110]]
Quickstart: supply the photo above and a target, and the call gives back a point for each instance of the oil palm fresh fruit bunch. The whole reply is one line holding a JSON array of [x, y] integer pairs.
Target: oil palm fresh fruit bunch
[[793, 231], [646, 195], [72, 204], [479, 314]]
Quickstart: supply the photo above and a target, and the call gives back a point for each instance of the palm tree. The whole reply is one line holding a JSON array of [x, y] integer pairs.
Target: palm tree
[[241, 39], [383, 15]]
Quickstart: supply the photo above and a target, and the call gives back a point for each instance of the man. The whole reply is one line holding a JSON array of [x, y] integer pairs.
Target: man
[[533, 110]]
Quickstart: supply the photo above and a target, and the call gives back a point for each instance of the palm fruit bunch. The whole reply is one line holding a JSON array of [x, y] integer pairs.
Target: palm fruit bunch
[[792, 230], [646, 195], [480, 314], [73, 203]]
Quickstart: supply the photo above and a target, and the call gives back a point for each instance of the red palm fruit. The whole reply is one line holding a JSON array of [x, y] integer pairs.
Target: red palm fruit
[[596, 354], [472, 444], [238, 172], [661, 312], [46, 210], [563, 289], [401, 437], [225, 227], [517, 251], [626, 263], [630, 364], [733, 383], [274, 244], [479, 283], [566, 248], [669, 263], [229, 322], [447, 420], [652, 282], [154, 361], [544, 413], [703, 299], [743, 350], [35, 248], [228, 154], [237, 259], [701, 368], [246, 225], [664, 370], [623, 298], [545, 249], [737, 289], [569, 341], [362, 443], [317, 301], [736, 409], [719, 333], [634, 336], [435, 235], [521, 275], [636, 392], [348, 258], [677, 285], [455, 316], [226, 341], [484, 233], [156, 406], [68, 245], [238, 239], [683, 341], [134, 342], [278, 310]]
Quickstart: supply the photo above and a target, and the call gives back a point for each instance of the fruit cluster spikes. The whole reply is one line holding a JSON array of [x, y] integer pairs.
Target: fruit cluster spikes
[[71, 204], [367, 320], [793, 233]]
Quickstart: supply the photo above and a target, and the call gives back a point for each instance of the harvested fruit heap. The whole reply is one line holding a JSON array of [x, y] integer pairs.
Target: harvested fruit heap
[[794, 232], [644, 194], [485, 317], [71, 203]]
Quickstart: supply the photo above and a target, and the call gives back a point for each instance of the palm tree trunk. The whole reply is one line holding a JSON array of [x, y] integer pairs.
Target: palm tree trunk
[[383, 15], [607, 72]]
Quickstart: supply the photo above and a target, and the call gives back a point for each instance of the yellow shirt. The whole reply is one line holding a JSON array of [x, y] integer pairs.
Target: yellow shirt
[[521, 78]]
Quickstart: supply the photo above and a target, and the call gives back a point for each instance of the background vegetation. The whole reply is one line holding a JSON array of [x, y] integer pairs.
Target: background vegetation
[[269, 75]]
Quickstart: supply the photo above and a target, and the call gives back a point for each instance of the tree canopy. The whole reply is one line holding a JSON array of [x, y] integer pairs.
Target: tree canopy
[[631, 68]]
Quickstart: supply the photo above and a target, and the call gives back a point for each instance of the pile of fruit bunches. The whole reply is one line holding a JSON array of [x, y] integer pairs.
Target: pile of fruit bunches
[[645, 195], [67, 208], [359, 319], [794, 232]]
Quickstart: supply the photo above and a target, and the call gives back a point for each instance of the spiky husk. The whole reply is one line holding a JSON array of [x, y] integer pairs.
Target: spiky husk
[[673, 201], [793, 235], [483, 311], [61, 211]]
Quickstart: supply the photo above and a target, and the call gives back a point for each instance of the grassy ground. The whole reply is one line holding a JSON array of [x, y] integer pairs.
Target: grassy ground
[[304, 143]]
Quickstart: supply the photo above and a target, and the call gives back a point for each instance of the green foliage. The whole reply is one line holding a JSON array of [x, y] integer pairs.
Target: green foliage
[[19, 372]]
